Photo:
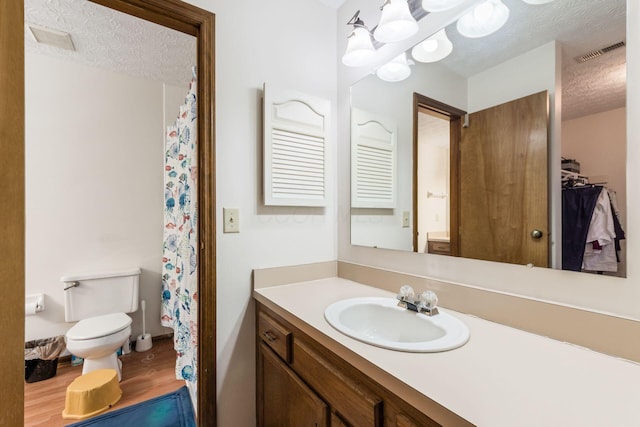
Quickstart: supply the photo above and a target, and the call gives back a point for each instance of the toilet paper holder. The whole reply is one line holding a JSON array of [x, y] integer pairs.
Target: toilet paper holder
[[70, 285], [34, 303]]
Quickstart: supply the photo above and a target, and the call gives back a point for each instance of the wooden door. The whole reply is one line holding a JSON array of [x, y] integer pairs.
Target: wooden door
[[286, 401], [503, 183], [12, 245]]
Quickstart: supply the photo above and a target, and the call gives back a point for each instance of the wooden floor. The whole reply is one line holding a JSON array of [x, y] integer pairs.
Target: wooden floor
[[144, 375]]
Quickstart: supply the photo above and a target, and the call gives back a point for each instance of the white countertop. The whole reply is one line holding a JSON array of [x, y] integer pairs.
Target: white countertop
[[438, 236], [501, 377]]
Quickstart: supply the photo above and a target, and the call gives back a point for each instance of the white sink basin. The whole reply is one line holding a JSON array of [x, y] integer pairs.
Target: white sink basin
[[380, 322]]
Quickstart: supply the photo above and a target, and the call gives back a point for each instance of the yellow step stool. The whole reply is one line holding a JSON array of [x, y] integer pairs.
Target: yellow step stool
[[92, 393]]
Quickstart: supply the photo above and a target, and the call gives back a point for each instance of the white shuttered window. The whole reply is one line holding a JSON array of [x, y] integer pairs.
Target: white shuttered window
[[373, 160], [296, 126]]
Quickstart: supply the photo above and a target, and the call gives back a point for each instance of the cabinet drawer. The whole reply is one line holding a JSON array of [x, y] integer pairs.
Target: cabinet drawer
[[355, 403], [443, 248], [275, 336]]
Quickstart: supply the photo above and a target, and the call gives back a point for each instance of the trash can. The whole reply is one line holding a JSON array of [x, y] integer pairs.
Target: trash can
[[41, 358]]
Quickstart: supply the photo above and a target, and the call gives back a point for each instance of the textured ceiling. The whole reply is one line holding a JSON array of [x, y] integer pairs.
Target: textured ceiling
[[112, 40], [119, 42], [437, 129], [334, 3], [580, 26]]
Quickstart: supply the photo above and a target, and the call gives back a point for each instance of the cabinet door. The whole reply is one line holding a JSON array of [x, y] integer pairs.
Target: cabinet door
[[399, 414], [336, 421], [355, 403], [403, 421], [284, 400]]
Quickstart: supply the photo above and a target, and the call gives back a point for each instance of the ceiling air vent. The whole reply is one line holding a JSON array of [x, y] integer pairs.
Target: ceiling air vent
[[599, 52], [51, 37]]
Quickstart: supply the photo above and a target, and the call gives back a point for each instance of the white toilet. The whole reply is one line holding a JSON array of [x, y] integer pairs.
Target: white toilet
[[99, 303]]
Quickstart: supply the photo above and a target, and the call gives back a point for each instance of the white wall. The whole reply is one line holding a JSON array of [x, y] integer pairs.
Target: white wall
[[602, 294], [291, 44], [94, 179], [532, 72]]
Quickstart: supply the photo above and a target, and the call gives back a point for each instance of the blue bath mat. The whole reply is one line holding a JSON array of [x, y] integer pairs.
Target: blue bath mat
[[169, 410]]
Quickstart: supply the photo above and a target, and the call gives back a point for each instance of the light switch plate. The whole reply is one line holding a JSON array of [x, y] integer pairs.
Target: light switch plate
[[231, 218], [405, 219]]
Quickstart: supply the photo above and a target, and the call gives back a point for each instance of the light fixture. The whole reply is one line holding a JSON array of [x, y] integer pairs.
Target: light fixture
[[433, 49], [395, 70], [440, 5], [396, 22], [486, 18], [537, 1], [360, 50]]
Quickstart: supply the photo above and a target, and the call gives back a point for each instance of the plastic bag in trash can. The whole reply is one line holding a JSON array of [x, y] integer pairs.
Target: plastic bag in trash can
[[45, 349]]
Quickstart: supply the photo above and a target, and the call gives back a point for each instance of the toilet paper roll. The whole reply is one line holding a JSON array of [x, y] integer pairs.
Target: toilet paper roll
[[30, 308]]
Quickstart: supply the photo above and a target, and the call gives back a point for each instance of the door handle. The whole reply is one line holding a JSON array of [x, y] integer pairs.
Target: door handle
[[536, 234]]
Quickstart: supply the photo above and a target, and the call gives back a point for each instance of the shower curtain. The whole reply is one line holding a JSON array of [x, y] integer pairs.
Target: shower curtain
[[179, 260]]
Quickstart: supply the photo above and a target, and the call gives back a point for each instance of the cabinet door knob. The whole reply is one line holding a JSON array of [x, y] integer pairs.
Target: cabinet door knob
[[269, 336]]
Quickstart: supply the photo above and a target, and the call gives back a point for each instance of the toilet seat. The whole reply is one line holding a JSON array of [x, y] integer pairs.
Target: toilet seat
[[99, 326]]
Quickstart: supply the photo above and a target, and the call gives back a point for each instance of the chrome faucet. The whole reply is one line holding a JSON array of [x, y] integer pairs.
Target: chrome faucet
[[425, 303]]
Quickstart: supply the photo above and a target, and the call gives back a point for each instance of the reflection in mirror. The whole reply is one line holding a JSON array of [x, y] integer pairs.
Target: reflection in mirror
[[572, 50], [433, 151]]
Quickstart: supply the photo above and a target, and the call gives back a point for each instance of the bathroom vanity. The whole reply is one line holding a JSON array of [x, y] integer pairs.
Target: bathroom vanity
[[303, 383], [308, 373]]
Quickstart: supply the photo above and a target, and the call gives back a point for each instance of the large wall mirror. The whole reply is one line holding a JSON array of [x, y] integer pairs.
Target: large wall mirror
[[511, 149]]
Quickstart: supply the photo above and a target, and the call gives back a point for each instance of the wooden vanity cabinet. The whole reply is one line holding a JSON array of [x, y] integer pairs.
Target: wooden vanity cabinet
[[301, 383]]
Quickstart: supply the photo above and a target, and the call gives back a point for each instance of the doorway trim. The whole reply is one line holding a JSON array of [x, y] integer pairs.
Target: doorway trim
[[454, 116], [199, 23], [173, 14], [12, 245]]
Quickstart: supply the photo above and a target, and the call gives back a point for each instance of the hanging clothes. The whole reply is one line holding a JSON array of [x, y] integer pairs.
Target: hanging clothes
[[179, 308], [617, 222], [578, 204], [600, 251]]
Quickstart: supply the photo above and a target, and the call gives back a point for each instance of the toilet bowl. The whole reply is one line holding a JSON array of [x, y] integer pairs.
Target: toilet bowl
[[99, 301], [96, 340]]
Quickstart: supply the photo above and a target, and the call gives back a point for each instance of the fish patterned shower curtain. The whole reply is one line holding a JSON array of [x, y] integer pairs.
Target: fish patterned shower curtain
[[179, 261]]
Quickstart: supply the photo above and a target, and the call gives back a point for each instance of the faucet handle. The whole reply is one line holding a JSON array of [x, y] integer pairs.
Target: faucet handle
[[429, 299], [407, 292]]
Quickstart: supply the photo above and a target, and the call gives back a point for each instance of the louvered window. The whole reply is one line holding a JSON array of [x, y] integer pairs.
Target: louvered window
[[295, 138], [373, 160]]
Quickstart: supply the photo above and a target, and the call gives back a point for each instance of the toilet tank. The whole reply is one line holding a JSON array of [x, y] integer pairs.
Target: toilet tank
[[100, 293]]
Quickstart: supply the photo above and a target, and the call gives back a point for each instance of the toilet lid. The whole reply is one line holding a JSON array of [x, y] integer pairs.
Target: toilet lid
[[99, 326]]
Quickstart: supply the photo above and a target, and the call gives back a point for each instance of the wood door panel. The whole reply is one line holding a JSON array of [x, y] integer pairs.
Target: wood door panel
[[503, 183], [355, 402], [13, 241]]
